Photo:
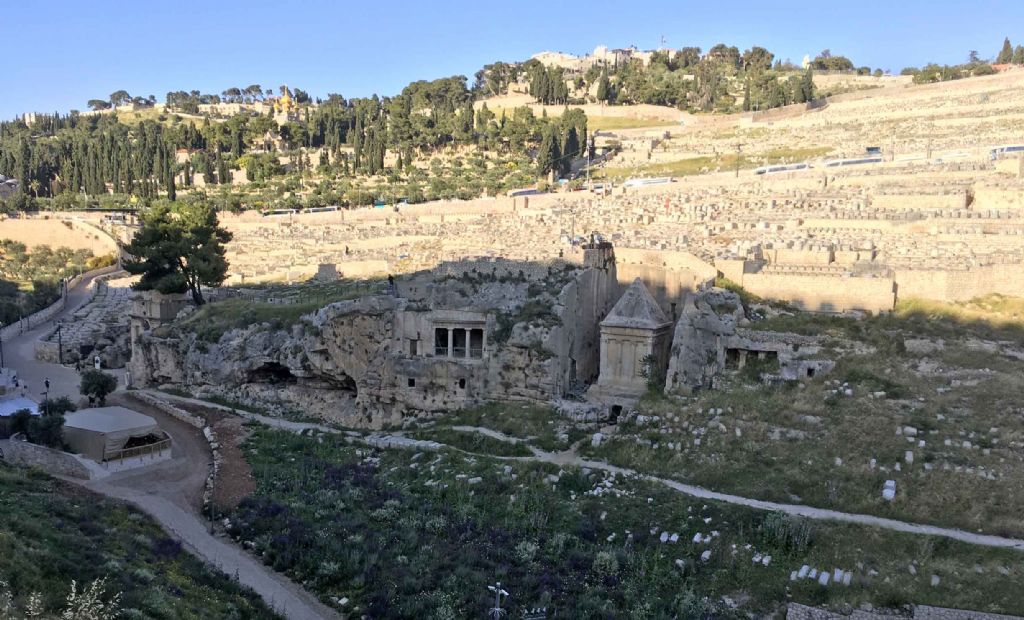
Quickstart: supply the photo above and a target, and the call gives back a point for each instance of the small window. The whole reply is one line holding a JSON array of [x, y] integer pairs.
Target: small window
[[414, 347], [411, 382], [462, 384], [810, 372]]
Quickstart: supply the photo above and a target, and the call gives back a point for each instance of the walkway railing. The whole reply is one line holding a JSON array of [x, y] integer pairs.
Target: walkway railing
[[148, 449]]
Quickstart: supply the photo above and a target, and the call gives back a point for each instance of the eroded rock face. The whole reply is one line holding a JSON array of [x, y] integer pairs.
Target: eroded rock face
[[449, 341], [714, 335], [705, 320], [328, 365]]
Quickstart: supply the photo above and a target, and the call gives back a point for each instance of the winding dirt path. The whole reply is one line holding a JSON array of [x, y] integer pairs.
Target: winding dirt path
[[571, 459]]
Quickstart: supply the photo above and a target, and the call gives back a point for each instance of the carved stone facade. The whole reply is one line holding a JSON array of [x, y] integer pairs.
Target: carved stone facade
[[635, 338]]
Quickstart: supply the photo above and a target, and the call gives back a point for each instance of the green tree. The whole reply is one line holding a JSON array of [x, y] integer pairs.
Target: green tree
[[604, 87], [1018, 55], [807, 86], [20, 421], [56, 406], [46, 431], [1006, 54], [548, 154], [119, 97], [180, 248], [97, 384]]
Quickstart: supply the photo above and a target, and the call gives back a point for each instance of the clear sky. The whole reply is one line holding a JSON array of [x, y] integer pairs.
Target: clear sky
[[62, 53]]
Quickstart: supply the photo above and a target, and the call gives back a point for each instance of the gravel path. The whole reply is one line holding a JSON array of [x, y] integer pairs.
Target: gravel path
[[570, 458], [285, 597]]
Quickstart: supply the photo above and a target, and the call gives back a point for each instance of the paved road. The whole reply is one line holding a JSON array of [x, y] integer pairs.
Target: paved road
[[20, 353], [288, 599], [170, 491]]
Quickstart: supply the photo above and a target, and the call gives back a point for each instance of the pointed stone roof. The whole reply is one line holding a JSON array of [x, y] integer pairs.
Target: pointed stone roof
[[637, 309]]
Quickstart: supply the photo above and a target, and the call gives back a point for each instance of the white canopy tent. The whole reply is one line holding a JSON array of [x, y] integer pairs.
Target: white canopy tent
[[102, 433]]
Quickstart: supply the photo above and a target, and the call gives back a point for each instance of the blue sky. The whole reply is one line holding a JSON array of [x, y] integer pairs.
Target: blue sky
[[58, 57]]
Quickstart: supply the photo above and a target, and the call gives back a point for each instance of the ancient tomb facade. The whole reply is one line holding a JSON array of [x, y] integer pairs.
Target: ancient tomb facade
[[635, 339]]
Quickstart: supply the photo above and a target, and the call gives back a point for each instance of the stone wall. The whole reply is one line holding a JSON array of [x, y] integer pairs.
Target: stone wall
[[796, 611], [822, 293], [949, 201], [56, 233], [998, 198], [960, 285], [51, 461], [53, 309]]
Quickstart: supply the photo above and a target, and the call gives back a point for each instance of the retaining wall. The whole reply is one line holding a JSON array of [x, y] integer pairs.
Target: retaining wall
[[51, 461], [920, 202], [795, 611], [822, 293], [951, 286], [53, 309]]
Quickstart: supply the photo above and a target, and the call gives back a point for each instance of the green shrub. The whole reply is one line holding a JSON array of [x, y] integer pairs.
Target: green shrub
[[787, 532]]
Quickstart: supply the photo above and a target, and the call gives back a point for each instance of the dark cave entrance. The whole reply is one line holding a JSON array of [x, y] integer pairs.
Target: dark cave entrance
[[273, 373]]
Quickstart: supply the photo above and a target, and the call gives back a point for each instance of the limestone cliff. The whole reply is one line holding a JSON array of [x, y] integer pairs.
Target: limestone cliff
[[706, 319], [327, 365]]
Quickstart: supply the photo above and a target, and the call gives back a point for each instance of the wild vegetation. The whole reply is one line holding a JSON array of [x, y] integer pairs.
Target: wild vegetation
[[946, 373], [52, 533], [290, 303], [404, 534]]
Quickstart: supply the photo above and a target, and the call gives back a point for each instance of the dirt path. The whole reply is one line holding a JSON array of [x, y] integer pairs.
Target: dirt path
[[285, 597], [171, 492], [571, 459]]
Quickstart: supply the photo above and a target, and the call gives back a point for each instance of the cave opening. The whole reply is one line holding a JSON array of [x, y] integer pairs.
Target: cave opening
[[272, 372]]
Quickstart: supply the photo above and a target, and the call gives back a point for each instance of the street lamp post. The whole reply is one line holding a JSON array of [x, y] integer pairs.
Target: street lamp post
[[60, 345]]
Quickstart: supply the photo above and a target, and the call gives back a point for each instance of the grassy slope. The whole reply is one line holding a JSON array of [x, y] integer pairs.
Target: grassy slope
[[697, 165], [969, 392], [52, 533], [216, 318], [405, 535]]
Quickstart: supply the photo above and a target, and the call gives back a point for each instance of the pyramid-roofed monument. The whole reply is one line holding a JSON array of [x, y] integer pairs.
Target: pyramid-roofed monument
[[637, 309]]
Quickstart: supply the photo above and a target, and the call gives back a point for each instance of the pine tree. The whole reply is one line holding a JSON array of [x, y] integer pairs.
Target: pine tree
[[1018, 55], [1005, 54]]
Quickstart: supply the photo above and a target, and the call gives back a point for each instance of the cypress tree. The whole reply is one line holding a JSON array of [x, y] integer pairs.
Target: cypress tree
[[1005, 54], [603, 86]]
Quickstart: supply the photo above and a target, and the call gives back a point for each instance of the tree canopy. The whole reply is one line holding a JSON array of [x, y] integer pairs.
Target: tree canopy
[[179, 249]]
